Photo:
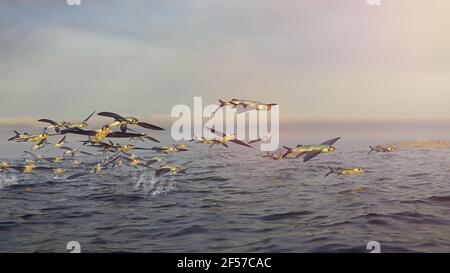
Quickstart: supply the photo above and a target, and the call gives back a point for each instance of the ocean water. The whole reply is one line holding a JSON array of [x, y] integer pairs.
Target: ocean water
[[233, 200]]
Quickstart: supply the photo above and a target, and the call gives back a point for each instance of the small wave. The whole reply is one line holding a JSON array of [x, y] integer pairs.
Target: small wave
[[383, 179], [418, 175], [190, 230], [211, 178], [287, 215], [406, 217], [115, 198], [355, 190], [443, 199], [6, 225]]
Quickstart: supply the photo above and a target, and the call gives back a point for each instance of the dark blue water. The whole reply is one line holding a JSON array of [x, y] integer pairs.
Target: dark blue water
[[232, 200]]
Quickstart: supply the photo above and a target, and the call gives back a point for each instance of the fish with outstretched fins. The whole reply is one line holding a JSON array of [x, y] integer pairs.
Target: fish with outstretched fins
[[246, 104], [63, 124], [311, 151]]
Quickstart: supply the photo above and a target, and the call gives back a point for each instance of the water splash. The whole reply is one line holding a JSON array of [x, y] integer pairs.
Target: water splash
[[8, 180], [152, 185]]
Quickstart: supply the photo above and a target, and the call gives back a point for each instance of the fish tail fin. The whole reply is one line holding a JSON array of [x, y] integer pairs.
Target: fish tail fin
[[287, 152], [14, 137], [269, 106], [372, 149], [330, 172], [221, 104]]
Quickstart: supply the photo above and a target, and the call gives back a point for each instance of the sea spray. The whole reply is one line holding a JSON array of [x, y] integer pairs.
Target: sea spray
[[8, 180], [152, 185]]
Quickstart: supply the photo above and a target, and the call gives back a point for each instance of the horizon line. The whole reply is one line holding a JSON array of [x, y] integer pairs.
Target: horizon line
[[165, 119]]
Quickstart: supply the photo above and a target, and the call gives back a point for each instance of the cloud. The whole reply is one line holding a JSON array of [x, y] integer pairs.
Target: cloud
[[317, 59]]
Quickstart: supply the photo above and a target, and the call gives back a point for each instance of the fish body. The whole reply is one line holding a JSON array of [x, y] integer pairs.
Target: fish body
[[305, 149], [59, 171], [57, 159], [38, 138], [4, 166], [76, 163], [98, 168], [181, 146], [274, 156], [346, 171], [39, 145], [257, 105], [313, 148], [169, 149], [123, 122], [135, 162], [202, 140], [126, 148], [69, 125], [311, 151], [101, 134], [28, 168], [78, 125], [381, 149], [260, 106], [227, 138], [56, 126], [25, 137], [61, 142], [165, 169]]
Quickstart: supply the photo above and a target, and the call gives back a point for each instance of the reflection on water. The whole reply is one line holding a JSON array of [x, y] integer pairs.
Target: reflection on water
[[232, 200]]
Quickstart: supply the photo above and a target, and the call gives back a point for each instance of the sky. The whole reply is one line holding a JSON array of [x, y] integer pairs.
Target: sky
[[318, 59]]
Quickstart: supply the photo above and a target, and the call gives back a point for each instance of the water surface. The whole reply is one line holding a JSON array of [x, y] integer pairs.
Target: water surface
[[235, 201]]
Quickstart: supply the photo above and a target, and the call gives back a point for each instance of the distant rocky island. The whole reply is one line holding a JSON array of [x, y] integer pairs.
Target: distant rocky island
[[437, 144]]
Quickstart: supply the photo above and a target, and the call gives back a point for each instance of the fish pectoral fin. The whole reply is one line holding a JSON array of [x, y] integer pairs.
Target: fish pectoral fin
[[149, 126], [214, 131], [124, 135], [78, 131], [86, 119], [310, 156], [254, 141], [112, 115], [19, 169], [330, 172], [186, 163], [184, 170], [152, 139], [236, 141], [331, 141], [48, 121], [76, 175], [162, 171]]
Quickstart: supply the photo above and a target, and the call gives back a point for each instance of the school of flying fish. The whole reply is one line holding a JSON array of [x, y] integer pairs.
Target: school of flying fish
[[115, 155]]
